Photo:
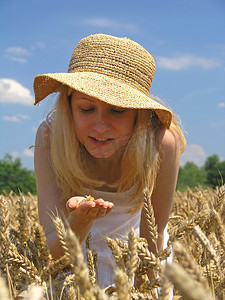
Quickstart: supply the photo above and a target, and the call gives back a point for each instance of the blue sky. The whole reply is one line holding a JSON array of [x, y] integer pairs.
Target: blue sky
[[186, 38]]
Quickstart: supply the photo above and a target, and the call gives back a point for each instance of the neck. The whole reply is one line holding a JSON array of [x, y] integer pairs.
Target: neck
[[105, 169]]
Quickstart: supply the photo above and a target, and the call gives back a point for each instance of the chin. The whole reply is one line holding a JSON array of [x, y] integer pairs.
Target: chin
[[103, 156]]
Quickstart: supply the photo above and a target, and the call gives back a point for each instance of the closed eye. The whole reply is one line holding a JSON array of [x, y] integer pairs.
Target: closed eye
[[86, 110], [119, 110]]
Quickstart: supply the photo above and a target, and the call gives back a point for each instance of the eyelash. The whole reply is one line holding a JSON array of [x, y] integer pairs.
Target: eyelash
[[92, 109], [86, 110]]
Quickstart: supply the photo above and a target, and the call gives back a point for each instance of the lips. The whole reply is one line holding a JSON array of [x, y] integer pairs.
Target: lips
[[100, 141]]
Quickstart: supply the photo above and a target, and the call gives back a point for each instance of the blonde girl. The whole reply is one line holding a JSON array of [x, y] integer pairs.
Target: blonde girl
[[106, 137]]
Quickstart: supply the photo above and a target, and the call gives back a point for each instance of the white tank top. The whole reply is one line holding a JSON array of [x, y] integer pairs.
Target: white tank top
[[117, 224]]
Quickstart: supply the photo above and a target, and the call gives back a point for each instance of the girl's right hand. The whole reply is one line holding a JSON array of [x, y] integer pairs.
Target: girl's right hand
[[88, 210]]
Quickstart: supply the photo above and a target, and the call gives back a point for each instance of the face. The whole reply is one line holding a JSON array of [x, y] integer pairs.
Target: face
[[103, 129]]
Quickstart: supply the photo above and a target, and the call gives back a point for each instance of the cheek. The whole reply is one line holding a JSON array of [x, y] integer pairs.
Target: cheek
[[78, 125], [129, 124]]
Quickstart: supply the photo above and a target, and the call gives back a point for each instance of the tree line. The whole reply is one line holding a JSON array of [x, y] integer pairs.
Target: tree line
[[211, 174], [14, 177]]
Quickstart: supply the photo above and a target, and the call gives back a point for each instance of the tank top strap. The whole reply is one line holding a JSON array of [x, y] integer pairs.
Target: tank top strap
[[49, 121]]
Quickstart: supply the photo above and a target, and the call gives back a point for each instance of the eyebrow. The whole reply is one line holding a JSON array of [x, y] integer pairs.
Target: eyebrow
[[83, 98]]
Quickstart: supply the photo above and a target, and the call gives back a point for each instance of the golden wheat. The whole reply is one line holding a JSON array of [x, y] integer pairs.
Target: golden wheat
[[197, 236]]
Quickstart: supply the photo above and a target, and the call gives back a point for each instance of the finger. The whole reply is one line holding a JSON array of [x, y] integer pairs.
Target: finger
[[99, 201], [102, 211], [73, 202]]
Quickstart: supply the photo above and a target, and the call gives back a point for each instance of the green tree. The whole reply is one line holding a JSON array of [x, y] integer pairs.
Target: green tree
[[215, 171], [190, 176], [13, 177]]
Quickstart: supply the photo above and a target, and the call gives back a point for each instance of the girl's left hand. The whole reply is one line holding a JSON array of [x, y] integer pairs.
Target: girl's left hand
[[88, 209]]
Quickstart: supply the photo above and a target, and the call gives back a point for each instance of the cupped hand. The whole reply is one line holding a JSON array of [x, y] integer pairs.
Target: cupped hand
[[88, 210]]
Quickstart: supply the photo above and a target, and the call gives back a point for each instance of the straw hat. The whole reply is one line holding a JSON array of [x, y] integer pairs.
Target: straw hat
[[115, 70]]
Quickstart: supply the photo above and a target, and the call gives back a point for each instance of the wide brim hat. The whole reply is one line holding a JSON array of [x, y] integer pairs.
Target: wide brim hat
[[115, 70]]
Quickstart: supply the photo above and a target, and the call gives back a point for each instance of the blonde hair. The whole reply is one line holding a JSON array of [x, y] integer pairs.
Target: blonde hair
[[139, 160]]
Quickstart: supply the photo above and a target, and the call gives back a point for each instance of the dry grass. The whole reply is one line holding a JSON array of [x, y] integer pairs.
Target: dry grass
[[197, 236]]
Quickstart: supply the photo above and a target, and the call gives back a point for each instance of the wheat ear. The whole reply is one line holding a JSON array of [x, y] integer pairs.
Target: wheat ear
[[189, 288], [150, 218], [54, 267], [23, 223], [122, 285], [61, 232], [41, 244], [117, 253], [165, 288], [90, 259], [147, 258], [21, 260], [80, 268], [4, 215], [219, 227], [207, 245], [188, 263], [91, 266], [132, 258]]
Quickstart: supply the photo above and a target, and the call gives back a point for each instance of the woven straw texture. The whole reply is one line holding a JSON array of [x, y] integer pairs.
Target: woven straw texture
[[115, 70]]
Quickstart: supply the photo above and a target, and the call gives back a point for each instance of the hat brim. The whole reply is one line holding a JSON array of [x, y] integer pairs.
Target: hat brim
[[102, 87]]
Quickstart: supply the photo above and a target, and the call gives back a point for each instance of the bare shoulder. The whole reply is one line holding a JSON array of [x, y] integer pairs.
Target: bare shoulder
[[167, 142], [43, 135]]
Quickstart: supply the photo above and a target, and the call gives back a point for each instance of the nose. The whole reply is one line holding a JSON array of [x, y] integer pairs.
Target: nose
[[102, 122]]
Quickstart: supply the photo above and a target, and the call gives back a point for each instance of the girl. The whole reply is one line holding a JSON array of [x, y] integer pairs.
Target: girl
[[106, 137]]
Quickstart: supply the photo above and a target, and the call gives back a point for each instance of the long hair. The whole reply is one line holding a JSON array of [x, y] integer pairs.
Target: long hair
[[139, 161]]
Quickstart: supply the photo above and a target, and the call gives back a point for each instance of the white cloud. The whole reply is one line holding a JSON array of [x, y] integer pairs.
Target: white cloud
[[28, 152], [221, 104], [108, 23], [21, 54], [16, 118], [17, 54], [13, 92], [193, 153], [17, 51], [184, 62]]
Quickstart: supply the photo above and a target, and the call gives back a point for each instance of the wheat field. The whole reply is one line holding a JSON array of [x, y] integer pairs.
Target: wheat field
[[197, 240]]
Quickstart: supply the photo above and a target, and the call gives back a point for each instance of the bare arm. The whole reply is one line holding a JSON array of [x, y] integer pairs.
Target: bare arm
[[79, 217], [162, 197]]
